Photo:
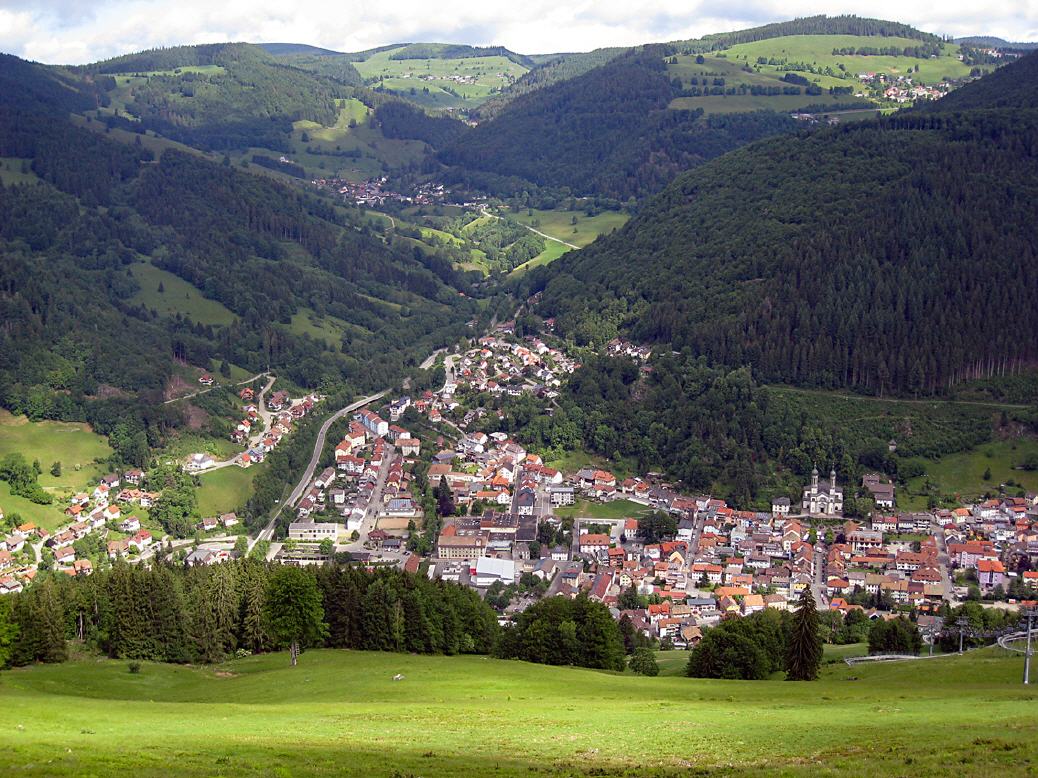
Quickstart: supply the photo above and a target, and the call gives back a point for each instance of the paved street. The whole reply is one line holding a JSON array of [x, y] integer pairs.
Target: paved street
[[267, 533]]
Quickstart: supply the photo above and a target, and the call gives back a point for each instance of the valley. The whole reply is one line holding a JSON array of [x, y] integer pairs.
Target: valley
[[440, 409]]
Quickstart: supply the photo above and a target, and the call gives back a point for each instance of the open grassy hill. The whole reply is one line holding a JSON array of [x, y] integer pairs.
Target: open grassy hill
[[435, 76], [341, 713]]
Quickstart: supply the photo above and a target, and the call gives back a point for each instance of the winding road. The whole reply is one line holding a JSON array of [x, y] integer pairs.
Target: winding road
[[214, 386]]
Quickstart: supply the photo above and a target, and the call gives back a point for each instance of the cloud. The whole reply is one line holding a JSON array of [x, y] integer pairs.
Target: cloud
[[73, 32]]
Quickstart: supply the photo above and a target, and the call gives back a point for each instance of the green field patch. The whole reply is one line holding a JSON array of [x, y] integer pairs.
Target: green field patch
[[71, 443], [226, 489], [326, 328], [475, 716], [617, 509], [441, 83], [818, 50], [559, 224], [17, 170], [49, 517], [963, 473], [552, 251], [177, 296]]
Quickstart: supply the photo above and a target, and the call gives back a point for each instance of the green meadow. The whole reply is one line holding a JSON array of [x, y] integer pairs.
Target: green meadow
[[341, 713], [962, 474], [559, 224], [818, 50], [177, 296], [552, 251], [16, 170], [437, 83], [226, 489], [617, 509], [73, 444]]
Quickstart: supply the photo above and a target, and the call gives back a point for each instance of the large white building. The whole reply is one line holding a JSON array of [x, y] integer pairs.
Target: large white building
[[312, 532], [824, 498], [489, 569]]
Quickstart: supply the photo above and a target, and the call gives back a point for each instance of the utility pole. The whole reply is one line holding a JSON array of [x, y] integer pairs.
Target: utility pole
[[1028, 652], [962, 622]]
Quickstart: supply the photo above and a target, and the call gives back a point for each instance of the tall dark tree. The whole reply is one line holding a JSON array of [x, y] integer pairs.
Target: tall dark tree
[[804, 652]]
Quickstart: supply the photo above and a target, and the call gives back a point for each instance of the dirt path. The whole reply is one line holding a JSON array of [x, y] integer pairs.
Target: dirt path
[[214, 386], [485, 212]]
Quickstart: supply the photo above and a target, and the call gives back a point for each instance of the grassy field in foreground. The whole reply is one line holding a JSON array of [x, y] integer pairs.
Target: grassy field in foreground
[[341, 713]]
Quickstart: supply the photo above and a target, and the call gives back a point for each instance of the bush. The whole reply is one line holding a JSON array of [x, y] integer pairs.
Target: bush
[[135, 667], [726, 654], [644, 662]]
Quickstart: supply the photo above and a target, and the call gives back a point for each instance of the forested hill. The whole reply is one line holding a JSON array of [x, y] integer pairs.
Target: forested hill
[[89, 227], [606, 132], [227, 95], [891, 256], [813, 25], [561, 67]]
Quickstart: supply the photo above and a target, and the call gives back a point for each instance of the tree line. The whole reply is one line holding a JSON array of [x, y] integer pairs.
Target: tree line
[[208, 614]]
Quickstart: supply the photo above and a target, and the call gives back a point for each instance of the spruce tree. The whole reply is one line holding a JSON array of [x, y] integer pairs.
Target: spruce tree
[[804, 653]]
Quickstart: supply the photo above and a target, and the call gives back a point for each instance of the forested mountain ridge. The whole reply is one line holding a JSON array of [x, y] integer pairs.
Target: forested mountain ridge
[[606, 131], [225, 95], [813, 25], [865, 257], [74, 344], [622, 123]]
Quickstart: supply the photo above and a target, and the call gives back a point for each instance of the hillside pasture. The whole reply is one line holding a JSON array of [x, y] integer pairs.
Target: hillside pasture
[[341, 713], [559, 224], [73, 444], [440, 83], [17, 170], [818, 50], [961, 475], [177, 296], [226, 489]]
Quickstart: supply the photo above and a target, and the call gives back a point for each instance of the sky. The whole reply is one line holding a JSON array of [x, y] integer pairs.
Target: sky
[[79, 31]]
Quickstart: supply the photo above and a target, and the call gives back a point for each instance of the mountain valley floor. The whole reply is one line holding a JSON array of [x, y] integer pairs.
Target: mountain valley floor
[[341, 712]]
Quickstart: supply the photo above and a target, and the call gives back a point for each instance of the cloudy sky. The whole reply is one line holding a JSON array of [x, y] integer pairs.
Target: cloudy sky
[[77, 31]]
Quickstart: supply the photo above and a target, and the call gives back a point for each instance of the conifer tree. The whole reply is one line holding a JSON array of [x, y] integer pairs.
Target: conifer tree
[[804, 653]]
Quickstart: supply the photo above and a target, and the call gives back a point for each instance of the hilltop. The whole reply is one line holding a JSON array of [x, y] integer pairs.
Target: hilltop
[[622, 123], [786, 255], [342, 712]]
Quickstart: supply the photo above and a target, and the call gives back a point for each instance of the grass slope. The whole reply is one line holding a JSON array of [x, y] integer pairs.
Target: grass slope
[[341, 713], [226, 489], [559, 224], [177, 296], [73, 444], [432, 82], [818, 50]]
